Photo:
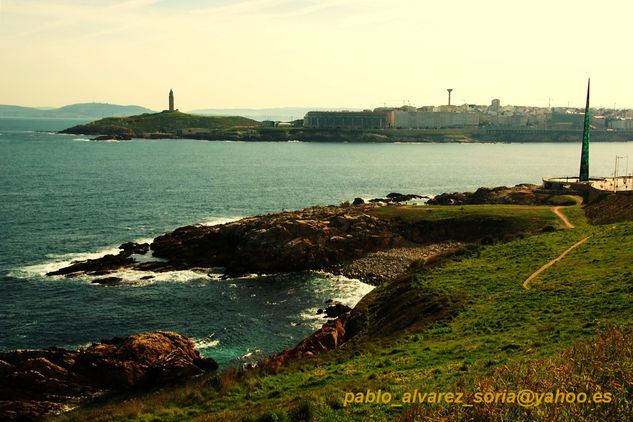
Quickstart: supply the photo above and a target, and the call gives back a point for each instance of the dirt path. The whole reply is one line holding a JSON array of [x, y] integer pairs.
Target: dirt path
[[552, 262], [563, 217]]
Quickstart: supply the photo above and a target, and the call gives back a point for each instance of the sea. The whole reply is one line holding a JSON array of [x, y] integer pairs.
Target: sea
[[65, 197]]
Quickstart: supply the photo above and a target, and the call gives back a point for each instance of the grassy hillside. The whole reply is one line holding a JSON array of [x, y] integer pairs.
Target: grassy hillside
[[610, 208], [463, 324], [165, 122]]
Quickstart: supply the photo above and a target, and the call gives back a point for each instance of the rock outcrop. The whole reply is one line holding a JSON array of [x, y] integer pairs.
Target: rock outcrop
[[336, 310], [328, 337], [107, 263], [36, 382], [112, 138], [395, 198], [313, 238], [524, 194]]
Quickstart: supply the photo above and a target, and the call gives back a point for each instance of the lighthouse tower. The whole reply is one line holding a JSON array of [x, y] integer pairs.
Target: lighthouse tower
[[171, 100]]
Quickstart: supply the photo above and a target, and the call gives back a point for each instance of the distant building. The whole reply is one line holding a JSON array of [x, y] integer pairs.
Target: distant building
[[171, 100], [566, 118], [626, 124], [434, 120], [345, 120], [495, 105], [510, 120]]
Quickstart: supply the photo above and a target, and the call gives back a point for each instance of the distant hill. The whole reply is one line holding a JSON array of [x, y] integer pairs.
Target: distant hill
[[282, 114], [174, 124], [84, 110]]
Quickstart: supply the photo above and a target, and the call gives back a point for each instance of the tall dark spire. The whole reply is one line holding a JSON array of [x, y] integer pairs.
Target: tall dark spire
[[584, 156], [171, 100]]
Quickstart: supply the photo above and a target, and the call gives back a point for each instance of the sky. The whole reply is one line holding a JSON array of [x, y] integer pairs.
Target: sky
[[319, 53]]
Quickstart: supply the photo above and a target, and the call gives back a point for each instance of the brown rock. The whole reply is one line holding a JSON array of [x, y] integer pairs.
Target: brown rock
[[523, 194], [135, 248], [35, 382], [328, 337], [107, 281], [336, 310], [313, 238]]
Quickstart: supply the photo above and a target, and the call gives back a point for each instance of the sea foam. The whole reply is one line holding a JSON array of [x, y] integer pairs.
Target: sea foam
[[207, 342]]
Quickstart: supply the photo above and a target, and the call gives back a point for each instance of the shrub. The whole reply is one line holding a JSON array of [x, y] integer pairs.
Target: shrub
[[273, 416], [561, 200], [304, 413]]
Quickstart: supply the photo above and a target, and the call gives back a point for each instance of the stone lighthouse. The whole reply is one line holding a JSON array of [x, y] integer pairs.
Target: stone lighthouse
[[171, 100]]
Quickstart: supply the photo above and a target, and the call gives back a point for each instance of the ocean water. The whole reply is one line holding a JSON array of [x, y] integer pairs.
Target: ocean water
[[64, 197]]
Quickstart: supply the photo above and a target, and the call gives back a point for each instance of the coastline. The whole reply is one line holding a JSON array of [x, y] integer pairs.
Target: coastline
[[128, 128], [389, 245]]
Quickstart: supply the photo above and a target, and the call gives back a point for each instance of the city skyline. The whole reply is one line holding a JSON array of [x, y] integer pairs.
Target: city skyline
[[330, 53]]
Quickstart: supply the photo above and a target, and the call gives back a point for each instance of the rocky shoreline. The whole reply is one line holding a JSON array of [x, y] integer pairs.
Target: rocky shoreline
[[316, 238], [376, 267], [523, 194], [34, 383], [344, 239]]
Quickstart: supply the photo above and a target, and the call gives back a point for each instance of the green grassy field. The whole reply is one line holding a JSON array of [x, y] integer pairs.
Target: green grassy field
[[464, 325], [522, 213]]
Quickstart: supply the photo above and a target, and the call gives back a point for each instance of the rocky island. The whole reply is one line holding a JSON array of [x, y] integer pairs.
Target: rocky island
[[167, 124]]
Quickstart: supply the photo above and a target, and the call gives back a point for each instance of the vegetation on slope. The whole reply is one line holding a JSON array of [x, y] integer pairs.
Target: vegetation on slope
[[165, 123], [610, 209], [463, 324]]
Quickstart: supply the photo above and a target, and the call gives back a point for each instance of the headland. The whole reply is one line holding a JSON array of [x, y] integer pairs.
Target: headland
[[177, 125], [457, 320]]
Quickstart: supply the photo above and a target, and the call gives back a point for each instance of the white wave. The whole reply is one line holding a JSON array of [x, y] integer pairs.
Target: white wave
[[207, 342], [137, 278], [215, 221], [310, 318], [58, 261], [350, 291], [81, 139], [250, 354], [77, 346]]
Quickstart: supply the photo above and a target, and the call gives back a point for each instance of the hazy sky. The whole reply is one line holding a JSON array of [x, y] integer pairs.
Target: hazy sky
[[321, 53]]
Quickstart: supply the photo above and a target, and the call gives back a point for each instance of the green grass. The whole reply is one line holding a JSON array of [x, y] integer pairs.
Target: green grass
[[457, 326], [472, 222], [415, 213], [561, 200]]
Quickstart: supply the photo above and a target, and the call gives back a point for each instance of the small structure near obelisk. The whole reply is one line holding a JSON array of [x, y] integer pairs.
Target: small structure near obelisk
[[592, 187]]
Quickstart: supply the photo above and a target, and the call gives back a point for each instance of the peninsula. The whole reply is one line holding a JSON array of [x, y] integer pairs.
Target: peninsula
[[166, 124], [466, 123], [178, 125]]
